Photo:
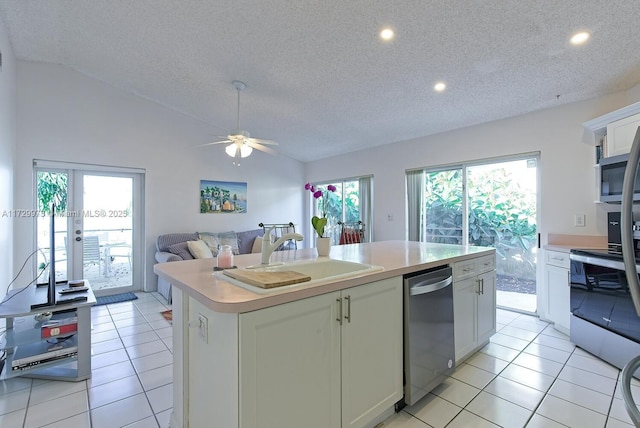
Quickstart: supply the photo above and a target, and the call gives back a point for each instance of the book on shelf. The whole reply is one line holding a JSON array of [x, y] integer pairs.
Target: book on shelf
[[59, 327], [30, 355]]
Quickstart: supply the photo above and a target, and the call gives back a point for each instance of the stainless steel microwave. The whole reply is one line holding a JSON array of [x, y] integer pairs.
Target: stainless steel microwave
[[611, 178]]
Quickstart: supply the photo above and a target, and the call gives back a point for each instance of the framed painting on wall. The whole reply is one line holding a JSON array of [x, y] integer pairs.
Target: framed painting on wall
[[223, 197]]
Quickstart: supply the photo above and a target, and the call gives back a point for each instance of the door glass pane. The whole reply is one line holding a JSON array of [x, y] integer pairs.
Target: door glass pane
[[107, 231], [52, 188], [443, 207], [351, 199], [502, 214], [333, 203], [342, 205]]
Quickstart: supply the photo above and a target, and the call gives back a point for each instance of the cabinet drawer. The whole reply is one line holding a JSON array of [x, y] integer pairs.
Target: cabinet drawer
[[486, 264], [557, 258], [464, 269]]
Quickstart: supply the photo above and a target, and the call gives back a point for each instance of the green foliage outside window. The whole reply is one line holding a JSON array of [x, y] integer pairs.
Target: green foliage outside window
[[350, 193], [501, 215], [52, 188]]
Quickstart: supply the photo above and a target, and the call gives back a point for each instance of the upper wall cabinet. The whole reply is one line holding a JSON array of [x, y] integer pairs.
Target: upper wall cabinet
[[614, 131], [620, 135]]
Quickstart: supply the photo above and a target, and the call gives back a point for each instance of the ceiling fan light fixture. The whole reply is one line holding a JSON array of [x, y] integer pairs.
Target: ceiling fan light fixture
[[241, 144], [245, 150], [238, 147], [231, 150]]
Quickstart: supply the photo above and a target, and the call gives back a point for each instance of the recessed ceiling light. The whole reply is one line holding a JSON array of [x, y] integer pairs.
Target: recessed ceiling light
[[579, 38], [387, 34], [439, 87]]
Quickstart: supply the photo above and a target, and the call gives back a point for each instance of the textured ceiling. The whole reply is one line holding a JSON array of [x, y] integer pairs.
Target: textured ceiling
[[320, 81]]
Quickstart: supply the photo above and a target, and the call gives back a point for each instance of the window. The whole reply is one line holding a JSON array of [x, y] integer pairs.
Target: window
[[349, 203]]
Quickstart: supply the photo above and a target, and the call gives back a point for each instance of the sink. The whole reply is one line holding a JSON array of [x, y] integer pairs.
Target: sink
[[321, 271]]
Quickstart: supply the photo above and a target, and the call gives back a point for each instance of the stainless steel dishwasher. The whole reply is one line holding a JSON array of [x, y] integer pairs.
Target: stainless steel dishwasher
[[429, 354]]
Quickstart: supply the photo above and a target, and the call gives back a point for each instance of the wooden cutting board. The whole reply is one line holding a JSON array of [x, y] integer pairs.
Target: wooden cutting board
[[267, 279]]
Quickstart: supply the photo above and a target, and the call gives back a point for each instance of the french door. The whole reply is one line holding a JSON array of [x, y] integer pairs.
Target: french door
[[98, 234]]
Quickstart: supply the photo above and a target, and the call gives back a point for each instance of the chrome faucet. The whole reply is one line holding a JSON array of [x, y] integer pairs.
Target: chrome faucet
[[268, 248]]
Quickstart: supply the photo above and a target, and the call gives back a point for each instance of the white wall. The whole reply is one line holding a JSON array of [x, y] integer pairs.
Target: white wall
[[7, 150], [63, 115], [567, 171]]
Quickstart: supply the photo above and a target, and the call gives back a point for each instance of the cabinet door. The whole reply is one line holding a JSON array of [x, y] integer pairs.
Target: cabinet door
[[620, 135], [558, 307], [486, 306], [372, 344], [290, 365], [465, 316]]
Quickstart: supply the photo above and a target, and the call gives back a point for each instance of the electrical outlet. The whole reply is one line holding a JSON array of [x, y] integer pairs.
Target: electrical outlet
[[203, 328], [389, 217], [578, 220]]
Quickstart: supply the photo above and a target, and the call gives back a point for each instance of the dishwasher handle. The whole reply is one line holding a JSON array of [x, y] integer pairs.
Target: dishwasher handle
[[424, 287]]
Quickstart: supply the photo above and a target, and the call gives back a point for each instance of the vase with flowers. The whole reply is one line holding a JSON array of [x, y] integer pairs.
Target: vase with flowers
[[323, 243]]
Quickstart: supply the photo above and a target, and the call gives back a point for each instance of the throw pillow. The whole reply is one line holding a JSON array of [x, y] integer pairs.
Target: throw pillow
[[257, 245], [199, 249], [180, 249], [245, 240], [214, 240]]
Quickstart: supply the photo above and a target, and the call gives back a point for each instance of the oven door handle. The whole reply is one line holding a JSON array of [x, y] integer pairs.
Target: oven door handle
[[626, 222]]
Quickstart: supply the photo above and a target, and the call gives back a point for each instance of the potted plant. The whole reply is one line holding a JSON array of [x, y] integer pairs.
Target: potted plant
[[323, 243]]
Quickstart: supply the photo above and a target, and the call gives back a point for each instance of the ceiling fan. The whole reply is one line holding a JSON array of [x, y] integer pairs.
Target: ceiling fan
[[241, 143]]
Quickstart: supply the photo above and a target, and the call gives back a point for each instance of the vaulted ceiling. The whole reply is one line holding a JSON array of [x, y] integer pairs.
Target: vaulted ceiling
[[320, 81]]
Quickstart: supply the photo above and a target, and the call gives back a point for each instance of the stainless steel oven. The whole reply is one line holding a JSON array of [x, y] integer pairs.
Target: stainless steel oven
[[603, 318]]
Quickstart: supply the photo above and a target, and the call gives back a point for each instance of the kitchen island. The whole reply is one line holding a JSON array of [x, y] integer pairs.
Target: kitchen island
[[324, 355]]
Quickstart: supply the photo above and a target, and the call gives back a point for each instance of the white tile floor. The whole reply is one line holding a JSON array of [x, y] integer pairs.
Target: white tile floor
[[529, 375], [131, 383]]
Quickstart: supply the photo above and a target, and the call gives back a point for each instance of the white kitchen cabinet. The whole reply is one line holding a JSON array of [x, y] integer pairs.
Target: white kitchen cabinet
[[333, 360], [372, 351], [290, 365], [620, 135], [474, 304], [557, 283]]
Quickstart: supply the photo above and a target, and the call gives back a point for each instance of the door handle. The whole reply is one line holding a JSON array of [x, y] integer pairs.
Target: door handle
[[347, 316], [339, 319]]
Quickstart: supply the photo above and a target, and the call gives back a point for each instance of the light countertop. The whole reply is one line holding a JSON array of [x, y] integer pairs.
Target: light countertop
[[196, 278], [564, 243]]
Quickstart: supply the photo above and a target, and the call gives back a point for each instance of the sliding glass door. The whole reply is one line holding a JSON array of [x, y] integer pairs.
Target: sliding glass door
[[98, 230], [491, 204], [351, 202]]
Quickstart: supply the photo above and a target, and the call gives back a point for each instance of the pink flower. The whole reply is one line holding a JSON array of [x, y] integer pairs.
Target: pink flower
[[318, 193]]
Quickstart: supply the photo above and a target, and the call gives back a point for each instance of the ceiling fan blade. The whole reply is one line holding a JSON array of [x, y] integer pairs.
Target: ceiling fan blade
[[261, 147], [215, 142], [261, 141]]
